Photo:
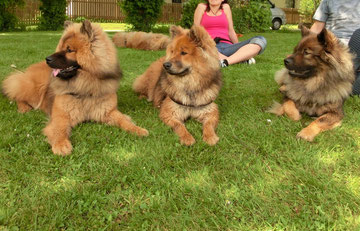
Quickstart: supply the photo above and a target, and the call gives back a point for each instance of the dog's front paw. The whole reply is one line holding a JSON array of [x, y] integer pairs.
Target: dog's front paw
[[62, 148], [211, 140], [142, 132], [23, 107], [306, 134], [187, 140]]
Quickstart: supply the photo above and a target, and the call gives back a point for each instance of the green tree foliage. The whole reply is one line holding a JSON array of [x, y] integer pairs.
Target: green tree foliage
[[307, 9], [53, 14], [7, 17], [187, 18], [252, 16], [142, 14]]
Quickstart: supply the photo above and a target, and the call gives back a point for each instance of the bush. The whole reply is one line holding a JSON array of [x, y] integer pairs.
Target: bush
[[254, 16], [142, 14], [307, 9], [53, 14], [161, 28], [187, 18], [8, 19], [79, 19]]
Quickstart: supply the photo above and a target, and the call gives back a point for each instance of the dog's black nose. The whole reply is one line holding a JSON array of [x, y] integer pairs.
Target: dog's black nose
[[288, 61], [167, 65], [49, 59]]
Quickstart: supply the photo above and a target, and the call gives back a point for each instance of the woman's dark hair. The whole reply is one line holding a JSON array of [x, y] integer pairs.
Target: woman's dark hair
[[208, 5]]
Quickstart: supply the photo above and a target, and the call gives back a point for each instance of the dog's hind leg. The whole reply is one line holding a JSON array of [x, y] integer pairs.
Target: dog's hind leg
[[115, 117], [325, 122], [210, 121]]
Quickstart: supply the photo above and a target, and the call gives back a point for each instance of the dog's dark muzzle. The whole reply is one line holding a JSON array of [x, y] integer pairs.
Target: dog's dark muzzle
[[62, 67], [298, 71], [168, 68]]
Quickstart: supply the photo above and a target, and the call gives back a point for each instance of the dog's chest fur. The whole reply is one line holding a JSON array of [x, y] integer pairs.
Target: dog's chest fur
[[84, 84], [317, 94], [192, 89]]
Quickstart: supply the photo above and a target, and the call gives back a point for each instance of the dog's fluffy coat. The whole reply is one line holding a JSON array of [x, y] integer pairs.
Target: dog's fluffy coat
[[79, 86], [317, 79], [185, 83], [141, 40]]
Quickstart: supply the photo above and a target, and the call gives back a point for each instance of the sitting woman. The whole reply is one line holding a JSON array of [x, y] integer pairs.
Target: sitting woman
[[216, 18]]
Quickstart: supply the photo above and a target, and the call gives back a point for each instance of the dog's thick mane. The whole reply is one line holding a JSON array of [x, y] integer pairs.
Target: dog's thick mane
[[334, 74], [205, 77], [100, 71]]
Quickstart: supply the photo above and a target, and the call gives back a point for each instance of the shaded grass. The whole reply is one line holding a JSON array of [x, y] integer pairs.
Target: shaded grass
[[258, 177]]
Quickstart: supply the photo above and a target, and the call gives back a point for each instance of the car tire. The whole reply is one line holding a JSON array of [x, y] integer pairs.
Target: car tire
[[276, 24]]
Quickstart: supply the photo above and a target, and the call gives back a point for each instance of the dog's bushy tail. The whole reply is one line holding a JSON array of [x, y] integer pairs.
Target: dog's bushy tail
[[30, 87], [141, 40], [16, 85], [276, 109]]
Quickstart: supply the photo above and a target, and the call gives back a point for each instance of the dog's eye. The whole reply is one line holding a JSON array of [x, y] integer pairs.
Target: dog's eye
[[68, 50], [183, 53], [306, 52]]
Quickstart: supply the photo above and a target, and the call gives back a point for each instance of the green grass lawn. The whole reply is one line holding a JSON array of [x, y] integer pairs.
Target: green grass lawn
[[258, 177]]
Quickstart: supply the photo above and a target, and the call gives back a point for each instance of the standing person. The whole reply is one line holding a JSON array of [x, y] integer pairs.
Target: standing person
[[343, 19], [215, 16]]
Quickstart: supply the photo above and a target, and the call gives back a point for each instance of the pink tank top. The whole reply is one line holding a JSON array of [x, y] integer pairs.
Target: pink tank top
[[216, 26]]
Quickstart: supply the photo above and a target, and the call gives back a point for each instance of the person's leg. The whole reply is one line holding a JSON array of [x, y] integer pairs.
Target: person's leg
[[222, 58], [242, 51], [354, 45], [356, 85]]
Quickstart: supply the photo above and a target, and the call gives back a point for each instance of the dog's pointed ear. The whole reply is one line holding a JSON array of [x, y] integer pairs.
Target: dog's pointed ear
[[200, 36], [86, 28], [327, 39], [304, 30], [67, 23], [175, 31], [322, 36]]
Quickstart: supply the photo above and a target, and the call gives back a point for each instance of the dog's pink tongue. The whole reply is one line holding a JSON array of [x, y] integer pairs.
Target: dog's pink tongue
[[55, 72]]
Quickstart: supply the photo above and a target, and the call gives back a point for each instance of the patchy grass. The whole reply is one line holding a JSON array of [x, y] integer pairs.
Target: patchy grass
[[258, 177]]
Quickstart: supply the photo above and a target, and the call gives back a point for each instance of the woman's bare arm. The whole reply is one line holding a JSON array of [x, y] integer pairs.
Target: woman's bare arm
[[232, 33]]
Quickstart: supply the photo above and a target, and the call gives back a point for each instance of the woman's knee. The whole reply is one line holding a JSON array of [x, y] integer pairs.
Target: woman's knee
[[261, 41]]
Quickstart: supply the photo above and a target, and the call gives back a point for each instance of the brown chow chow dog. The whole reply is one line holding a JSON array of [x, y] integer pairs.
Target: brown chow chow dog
[[185, 83], [141, 40], [317, 79], [77, 83]]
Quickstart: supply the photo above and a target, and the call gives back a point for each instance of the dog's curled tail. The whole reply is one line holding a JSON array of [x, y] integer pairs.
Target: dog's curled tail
[[13, 86], [276, 109], [28, 88]]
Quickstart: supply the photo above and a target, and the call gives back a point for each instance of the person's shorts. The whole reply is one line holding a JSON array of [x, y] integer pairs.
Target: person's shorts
[[229, 49]]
